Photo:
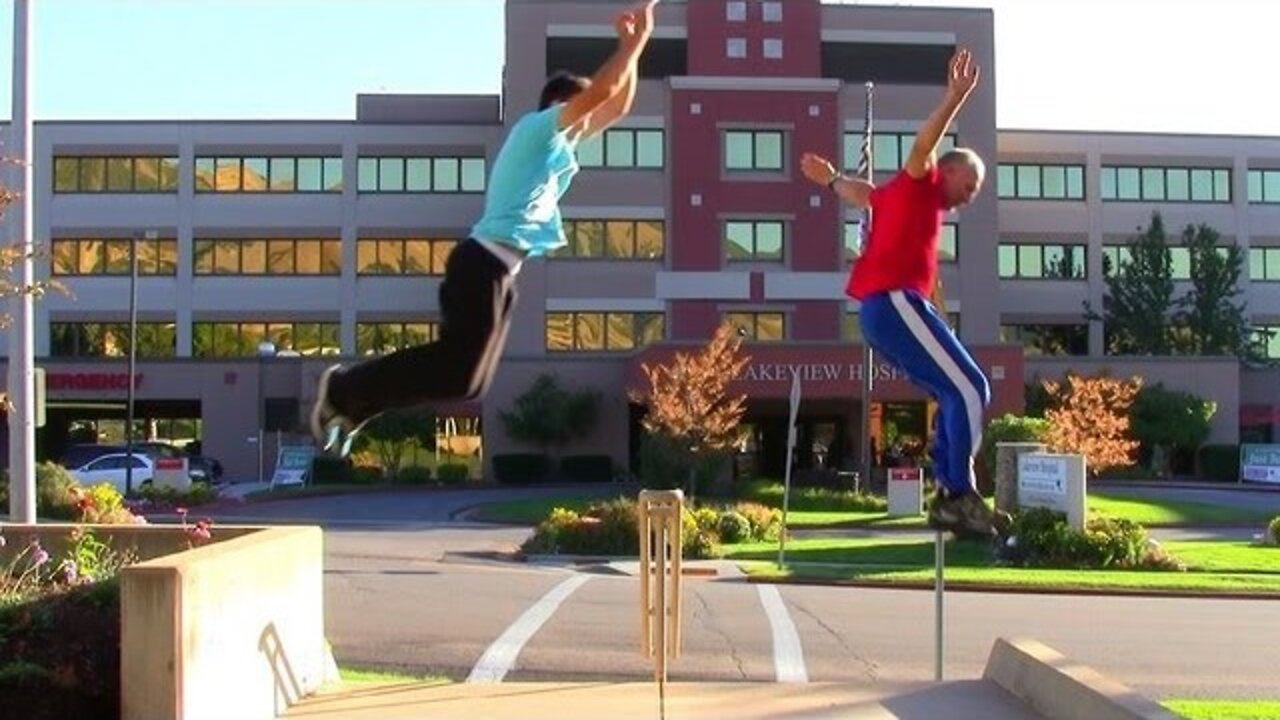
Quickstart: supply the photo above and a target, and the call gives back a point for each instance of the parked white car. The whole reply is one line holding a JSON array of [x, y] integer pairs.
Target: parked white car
[[111, 469]]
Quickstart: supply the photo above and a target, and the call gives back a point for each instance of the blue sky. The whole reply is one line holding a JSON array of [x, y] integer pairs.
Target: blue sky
[[1173, 65]]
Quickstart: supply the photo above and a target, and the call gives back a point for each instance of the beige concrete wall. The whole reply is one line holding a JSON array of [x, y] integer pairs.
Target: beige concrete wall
[[145, 541], [230, 630], [1215, 378]]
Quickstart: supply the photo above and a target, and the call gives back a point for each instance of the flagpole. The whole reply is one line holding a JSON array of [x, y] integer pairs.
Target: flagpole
[[868, 356]]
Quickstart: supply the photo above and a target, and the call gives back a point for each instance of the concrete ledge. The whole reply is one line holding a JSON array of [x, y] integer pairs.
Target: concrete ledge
[[233, 629], [1060, 689]]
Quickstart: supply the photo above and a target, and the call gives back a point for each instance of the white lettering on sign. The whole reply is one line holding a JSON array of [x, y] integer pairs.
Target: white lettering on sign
[[817, 372]]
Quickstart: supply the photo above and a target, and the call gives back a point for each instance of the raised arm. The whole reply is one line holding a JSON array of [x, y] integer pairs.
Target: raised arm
[[615, 108], [617, 75], [962, 77], [821, 172]]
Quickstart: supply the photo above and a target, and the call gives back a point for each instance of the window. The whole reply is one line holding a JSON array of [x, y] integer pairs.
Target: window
[[111, 256], [1048, 339], [760, 326], [735, 11], [115, 174], [268, 174], [1041, 182], [623, 148], [421, 174], [1166, 184], [276, 256], [111, 340], [1267, 339], [381, 338], [772, 12], [241, 339], [753, 149], [1264, 264], [1037, 262], [1264, 186], [948, 242], [400, 256], [603, 331], [773, 48], [889, 150], [736, 48], [753, 240], [1116, 257], [613, 239]]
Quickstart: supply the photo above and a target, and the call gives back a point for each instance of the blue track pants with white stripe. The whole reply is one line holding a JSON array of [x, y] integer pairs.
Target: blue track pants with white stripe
[[905, 329]]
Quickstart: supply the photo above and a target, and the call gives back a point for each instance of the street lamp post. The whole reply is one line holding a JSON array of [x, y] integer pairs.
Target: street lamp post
[[266, 349], [133, 356]]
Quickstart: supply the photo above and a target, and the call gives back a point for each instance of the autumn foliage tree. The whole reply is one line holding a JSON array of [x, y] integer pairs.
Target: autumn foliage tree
[[1090, 417], [689, 401]]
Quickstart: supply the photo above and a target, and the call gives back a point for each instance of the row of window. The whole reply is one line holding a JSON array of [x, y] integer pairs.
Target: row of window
[[565, 332], [744, 150], [1067, 262], [421, 175]]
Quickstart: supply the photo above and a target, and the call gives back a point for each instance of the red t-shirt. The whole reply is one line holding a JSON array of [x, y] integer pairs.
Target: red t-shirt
[[902, 252]]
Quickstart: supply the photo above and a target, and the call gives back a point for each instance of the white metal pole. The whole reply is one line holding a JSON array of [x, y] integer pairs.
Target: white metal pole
[[21, 391]]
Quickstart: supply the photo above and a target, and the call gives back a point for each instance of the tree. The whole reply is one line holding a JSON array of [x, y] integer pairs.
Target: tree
[[689, 398], [1165, 420], [1139, 298], [1090, 417], [1211, 322], [11, 256], [390, 435], [548, 415]]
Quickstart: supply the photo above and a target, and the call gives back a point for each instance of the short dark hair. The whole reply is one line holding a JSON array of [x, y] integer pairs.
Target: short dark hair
[[561, 87]]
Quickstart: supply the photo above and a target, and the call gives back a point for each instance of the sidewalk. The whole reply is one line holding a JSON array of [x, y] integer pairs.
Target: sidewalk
[[685, 701]]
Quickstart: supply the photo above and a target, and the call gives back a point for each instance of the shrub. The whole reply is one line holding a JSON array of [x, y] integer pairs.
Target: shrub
[[453, 474], [414, 475], [366, 475], [200, 493], [664, 464], [587, 468], [329, 470], [734, 528], [55, 497], [1010, 428], [610, 528], [706, 518], [765, 522], [1220, 462], [1044, 539], [521, 468], [1273, 531]]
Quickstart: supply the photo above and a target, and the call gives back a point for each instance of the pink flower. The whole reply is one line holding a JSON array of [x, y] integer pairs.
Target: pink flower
[[40, 557], [3, 542], [181, 511], [70, 571]]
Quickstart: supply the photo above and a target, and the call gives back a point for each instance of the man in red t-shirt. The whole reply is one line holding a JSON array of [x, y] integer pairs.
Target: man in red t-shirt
[[893, 279]]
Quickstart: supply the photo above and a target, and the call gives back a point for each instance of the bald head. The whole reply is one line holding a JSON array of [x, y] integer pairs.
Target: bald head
[[962, 173]]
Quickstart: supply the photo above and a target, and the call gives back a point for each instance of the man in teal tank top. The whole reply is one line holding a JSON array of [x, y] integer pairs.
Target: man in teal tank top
[[521, 220]]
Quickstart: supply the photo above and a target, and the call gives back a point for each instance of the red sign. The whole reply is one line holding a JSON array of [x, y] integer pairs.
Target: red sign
[[91, 381], [166, 463], [907, 474]]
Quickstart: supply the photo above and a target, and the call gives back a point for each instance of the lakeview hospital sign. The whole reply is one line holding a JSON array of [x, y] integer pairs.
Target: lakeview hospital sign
[[836, 372]]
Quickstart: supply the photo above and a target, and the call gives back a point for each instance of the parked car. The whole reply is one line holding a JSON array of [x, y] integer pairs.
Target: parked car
[[112, 469], [202, 468]]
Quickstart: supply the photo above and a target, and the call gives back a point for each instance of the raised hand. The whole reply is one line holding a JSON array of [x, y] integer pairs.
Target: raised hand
[[817, 169], [962, 74]]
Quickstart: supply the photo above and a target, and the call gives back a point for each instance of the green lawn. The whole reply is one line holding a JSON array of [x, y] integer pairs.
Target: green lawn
[[1225, 709], [529, 512], [1214, 566], [1158, 511], [361, 676]]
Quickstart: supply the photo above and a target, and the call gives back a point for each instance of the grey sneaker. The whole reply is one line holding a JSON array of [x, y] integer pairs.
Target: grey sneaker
[[327, 424], [967, 514]]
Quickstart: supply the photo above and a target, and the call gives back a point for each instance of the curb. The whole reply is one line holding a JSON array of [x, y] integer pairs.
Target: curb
[[961, 586]]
